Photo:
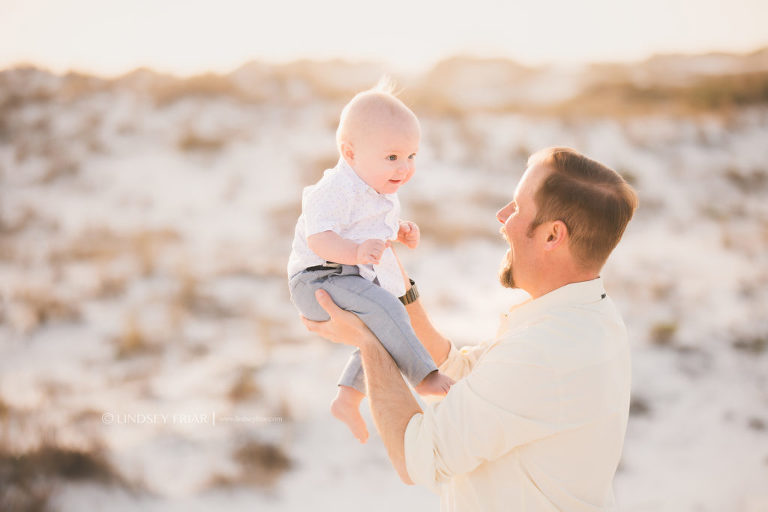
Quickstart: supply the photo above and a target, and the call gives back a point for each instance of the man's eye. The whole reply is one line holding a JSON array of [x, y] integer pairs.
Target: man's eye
[[392, 157]]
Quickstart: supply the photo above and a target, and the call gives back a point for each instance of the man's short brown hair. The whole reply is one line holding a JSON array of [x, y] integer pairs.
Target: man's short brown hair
[[593, 201]]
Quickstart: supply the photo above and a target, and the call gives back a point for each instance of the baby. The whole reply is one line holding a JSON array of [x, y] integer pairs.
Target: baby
[[342, 243]]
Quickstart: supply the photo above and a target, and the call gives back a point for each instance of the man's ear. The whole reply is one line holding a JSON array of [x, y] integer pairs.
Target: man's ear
[[557, 234], [347, 152]]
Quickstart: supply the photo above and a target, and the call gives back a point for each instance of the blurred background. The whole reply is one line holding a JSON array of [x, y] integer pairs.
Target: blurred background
[[152, 156]]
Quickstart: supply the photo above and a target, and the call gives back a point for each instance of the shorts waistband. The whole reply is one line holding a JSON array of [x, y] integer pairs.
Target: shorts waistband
[[329, 265]]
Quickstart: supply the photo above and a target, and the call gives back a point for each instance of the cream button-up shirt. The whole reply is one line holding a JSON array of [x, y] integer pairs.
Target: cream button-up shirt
[[536, 419]]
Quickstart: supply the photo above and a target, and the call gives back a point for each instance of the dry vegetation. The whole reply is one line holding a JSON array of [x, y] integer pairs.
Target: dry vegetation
[[191, 299], [244, 387], [32, 308], [639, 406], [312, 170], [260, 463], [283, 218], [439, 92], [755, 345], [102, 245], [111, 285], [753, 181], [208, 85], [612, 91], [663, 333], [28, 479], [441, 224], [134, 339], [21, 220], [192, 141], [711, 94]]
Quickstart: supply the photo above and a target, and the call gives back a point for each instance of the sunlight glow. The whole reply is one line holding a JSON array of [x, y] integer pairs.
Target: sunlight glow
[[190, 36]]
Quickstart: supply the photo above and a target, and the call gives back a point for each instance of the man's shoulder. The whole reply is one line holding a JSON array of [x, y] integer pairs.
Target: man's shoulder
[[563, 337], [529, 343]]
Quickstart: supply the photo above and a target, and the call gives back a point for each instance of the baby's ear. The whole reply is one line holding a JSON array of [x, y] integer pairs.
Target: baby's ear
[[347, 151]]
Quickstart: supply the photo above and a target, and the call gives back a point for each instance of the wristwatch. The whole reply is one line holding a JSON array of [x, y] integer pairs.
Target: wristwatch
[[411, 295]]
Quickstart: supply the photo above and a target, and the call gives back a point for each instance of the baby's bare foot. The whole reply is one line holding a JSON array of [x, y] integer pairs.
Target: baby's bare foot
[[349, 413], [435, 383]]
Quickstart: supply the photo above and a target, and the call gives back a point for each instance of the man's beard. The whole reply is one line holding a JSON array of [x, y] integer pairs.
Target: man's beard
[[505, 274]]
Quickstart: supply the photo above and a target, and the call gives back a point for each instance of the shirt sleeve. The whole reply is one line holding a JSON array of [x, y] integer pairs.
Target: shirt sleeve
[[326, 207], [509, 399], [460, 362]]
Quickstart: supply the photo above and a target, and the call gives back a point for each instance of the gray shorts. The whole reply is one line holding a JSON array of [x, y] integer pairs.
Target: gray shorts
[[381, 311]]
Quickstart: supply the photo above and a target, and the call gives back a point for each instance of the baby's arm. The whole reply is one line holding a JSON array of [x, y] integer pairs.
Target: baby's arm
[[409, 234], [330, 246]]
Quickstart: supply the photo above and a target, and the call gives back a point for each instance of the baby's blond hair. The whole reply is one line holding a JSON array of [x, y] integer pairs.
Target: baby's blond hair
[[367, 106]]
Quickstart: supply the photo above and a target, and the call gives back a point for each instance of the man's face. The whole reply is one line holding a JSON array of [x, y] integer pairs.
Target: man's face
[[385, 157], [519, 265]]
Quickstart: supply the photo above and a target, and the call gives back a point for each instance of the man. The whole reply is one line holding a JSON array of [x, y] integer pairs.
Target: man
[[536, 419]]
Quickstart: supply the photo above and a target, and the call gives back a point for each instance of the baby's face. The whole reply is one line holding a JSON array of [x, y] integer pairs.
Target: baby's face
[[385, 157]]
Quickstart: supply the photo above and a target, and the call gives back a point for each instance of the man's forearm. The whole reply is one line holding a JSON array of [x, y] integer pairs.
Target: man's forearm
[[435, 343], [392, 404]]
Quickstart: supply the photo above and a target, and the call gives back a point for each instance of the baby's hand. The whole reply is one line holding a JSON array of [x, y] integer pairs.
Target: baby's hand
[[370, 251], [408, 234]]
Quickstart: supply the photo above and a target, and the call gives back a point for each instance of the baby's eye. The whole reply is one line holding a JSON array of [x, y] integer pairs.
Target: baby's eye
[[392, 157], [411, 157]]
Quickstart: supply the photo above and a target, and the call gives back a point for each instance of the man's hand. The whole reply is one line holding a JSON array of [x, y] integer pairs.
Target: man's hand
[[370, 251], [408, 234], [392, 404], [343, 327]]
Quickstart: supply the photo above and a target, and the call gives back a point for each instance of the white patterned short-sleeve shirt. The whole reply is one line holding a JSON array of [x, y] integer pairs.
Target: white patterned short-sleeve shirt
[[345, 204]]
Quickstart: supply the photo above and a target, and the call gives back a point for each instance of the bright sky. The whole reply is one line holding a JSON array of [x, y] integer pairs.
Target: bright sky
[[189, 36]]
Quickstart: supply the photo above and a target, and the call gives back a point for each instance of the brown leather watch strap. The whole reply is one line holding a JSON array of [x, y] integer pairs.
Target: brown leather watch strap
[[411, 295]]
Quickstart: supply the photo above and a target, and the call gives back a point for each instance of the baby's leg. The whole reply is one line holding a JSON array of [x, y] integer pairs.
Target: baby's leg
[[385, 315], [302, 288], [353, 375], [351, 389], [346, 407]]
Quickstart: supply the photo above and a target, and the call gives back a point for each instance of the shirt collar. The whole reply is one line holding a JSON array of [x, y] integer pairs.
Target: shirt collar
[[357, 182], [584, 292]]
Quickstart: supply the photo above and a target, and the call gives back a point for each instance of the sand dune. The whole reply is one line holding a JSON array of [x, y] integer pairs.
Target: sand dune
[[150, 358]]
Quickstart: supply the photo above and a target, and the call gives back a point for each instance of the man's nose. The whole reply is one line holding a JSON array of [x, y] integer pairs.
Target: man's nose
[[508, 209], [503, 214]]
